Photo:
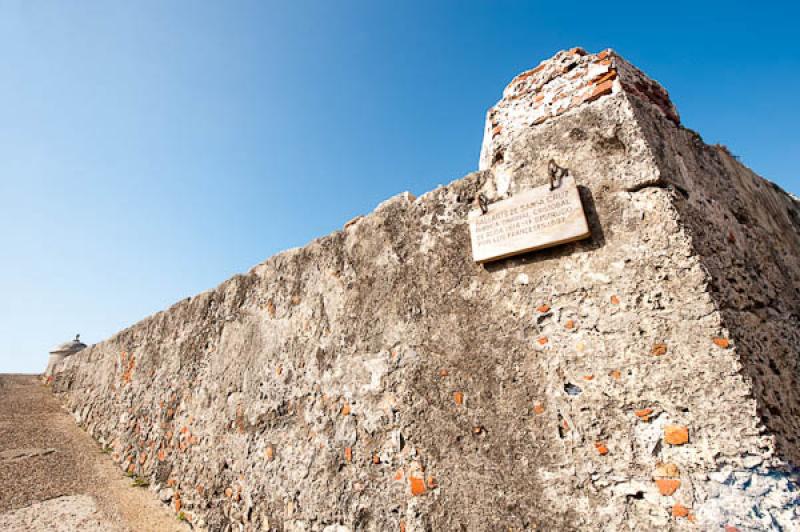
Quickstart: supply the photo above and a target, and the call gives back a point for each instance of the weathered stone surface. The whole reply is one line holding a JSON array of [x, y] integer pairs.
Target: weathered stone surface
[[391, 318]]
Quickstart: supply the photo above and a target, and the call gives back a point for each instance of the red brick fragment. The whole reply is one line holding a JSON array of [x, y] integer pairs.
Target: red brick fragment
[[679, 510], [601, 448], [608, 76], [543, 308], [724, 343], [676, 434], [458, 398], [667, 486], [601, 89], [417, 486]]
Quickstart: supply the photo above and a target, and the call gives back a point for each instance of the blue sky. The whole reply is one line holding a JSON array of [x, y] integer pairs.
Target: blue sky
[[149, 150]]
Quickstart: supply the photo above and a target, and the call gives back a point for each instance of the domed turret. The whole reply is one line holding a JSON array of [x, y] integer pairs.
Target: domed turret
[[62, 351]]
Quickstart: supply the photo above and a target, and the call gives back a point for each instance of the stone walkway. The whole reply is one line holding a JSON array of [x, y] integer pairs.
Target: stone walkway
[[54, 477]]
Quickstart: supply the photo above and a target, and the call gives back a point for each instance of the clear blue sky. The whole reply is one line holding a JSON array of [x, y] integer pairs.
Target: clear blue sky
[[151, 149]]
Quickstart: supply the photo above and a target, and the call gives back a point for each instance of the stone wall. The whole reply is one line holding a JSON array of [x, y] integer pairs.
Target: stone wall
[[378, 379]]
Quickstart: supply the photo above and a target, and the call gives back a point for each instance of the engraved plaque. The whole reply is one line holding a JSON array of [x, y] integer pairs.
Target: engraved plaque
[[534, 219]]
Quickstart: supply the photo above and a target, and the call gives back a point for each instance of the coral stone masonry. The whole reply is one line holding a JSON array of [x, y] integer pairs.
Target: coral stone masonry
[[645, 378]]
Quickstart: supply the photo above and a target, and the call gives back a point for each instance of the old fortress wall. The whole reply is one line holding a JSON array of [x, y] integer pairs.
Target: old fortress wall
[[379, 379]]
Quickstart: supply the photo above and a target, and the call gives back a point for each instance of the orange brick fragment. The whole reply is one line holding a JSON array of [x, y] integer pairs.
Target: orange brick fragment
[[269, 453], [543, 308], [659, 349], [601, 448], [346, 409], [644, 414], [569, 324], [731, 528], [376, 459], [614, 300], [170, 482], [348, 454], [162, 455], [542, 340], [538, 408], [679, 510], [443, 373], [724, 343], [229, 492], [417, 486], [667, 486], [458, 397], [610, 75], [177, 504], [676, 434], [615, 374], [588, 377], [399, 474], [601, 89], [402, 526]]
